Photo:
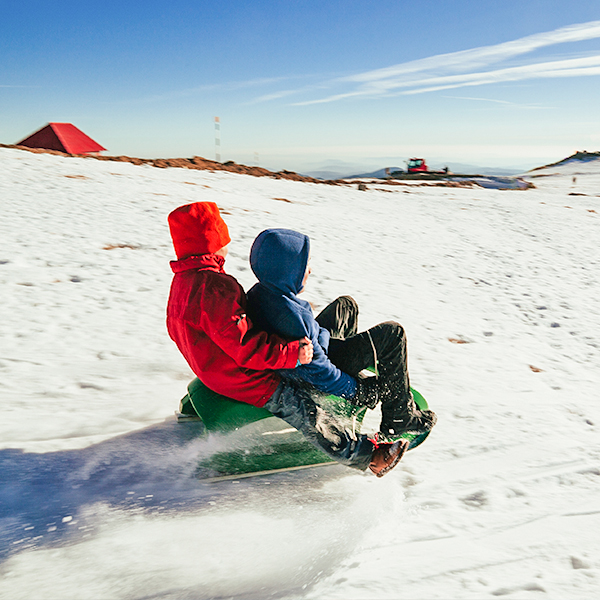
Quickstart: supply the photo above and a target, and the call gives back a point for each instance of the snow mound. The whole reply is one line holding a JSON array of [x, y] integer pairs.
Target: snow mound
[[580, 163]]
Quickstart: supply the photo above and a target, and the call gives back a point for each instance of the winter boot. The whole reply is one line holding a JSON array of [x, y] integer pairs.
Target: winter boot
[[386, 456], [407, 417]]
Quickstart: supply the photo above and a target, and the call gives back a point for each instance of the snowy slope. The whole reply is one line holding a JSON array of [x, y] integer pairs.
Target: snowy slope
[[98, 498]]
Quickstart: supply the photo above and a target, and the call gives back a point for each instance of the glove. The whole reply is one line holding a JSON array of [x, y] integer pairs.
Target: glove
[[367, 392]]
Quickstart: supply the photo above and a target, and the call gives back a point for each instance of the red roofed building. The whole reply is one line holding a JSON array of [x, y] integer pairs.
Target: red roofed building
[[63, 137]]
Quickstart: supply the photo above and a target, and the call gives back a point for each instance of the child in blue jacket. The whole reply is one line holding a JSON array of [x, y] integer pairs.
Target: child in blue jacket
[[280, 259]]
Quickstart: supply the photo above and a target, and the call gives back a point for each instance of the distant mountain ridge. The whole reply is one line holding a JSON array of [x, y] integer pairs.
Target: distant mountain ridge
[[381, 173]]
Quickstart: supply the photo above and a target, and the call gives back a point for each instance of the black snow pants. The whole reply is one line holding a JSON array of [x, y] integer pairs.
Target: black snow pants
[[382, 347]]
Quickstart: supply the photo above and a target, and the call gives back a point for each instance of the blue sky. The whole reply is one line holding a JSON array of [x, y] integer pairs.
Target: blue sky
[[300, 84]]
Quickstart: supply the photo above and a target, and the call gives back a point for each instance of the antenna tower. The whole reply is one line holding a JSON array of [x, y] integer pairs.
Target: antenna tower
[[217, 139]]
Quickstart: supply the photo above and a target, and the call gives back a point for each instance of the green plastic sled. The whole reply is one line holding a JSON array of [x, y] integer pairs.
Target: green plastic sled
[[274, 446]]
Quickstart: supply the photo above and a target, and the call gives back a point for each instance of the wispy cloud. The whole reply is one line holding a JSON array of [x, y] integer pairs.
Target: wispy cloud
[[559, 68], [496, 101], [228, 86], [480, 99], [274, 96], [467, 68]]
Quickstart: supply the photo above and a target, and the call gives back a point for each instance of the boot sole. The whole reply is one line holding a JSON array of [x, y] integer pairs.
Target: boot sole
[[397, 459]]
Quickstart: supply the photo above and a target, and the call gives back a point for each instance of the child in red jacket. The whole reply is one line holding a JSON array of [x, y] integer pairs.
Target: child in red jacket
[[206, 318]]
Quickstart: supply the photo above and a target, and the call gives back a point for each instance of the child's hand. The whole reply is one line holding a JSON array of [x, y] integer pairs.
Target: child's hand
[[305, 354]]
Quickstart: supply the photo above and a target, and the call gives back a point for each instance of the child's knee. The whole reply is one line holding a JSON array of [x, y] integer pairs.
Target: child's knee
[[395, 329], [348, 302]]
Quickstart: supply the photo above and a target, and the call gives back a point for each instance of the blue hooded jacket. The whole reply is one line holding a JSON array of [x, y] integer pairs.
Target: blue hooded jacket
[[279, 258]]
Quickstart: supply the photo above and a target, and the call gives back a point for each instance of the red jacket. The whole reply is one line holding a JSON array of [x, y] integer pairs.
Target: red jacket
[[206, 318]]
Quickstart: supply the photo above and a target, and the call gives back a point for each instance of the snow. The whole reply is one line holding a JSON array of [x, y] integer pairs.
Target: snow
[[498, 292]]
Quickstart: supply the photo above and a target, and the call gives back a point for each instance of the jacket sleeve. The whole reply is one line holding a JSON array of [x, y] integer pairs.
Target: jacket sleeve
[[324, 337], [325, 376], [321, 372], [224, 320]]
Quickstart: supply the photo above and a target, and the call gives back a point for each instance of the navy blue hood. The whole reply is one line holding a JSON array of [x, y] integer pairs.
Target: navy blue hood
[[279, 258]]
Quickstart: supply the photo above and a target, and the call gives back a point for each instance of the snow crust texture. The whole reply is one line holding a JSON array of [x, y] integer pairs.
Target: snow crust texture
[[498, 292]]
